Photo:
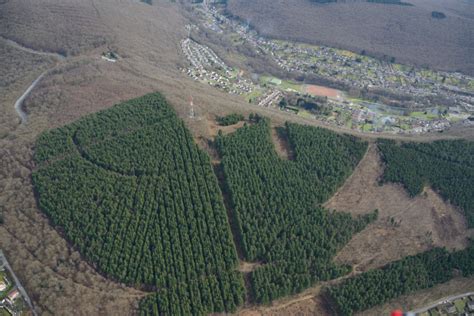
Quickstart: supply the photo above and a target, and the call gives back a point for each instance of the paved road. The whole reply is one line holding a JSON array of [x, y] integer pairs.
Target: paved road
[[17, 282], [19, 102], [441, 301]]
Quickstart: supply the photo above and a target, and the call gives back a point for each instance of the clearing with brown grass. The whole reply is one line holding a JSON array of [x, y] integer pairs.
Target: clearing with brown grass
[[405, 226]]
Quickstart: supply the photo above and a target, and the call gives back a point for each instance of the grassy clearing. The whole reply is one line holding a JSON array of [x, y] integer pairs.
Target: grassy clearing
[[282, 84], [292, 86], [305, 114], [253, 95], [367, 127], [423, 115], [460, 305], [4, 312], [348, 53]]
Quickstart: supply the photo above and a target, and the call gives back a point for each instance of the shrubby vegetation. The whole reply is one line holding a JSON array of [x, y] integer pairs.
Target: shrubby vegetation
[[401, 277], [230, 119], [130, 189], [275, 204], [447, 166]]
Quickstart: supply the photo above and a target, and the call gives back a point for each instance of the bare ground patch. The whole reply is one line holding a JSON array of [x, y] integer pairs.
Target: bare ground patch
[[309, 302], [213, 127], [322, 91], [281, 143], [247, 267], [405, 226]]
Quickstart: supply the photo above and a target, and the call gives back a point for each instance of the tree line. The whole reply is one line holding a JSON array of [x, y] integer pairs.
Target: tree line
[[401, 277]]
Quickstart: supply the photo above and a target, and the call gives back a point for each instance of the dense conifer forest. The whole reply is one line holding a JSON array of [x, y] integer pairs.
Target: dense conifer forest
[[276, 204], [130, 189]]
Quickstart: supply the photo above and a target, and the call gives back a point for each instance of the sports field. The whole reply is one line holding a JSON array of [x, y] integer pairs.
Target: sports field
[[321, 91]]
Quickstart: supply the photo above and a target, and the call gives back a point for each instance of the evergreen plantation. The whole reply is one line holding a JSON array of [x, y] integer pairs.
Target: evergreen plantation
[[275, 203], [135, 195]]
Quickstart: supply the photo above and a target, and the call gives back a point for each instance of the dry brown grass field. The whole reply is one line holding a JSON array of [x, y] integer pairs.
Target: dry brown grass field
[[147, 39], [383, 242], [418, 223], [408, 33]]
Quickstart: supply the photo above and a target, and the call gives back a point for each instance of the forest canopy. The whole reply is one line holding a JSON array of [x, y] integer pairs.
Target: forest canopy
[[275, 204], [136, 196]]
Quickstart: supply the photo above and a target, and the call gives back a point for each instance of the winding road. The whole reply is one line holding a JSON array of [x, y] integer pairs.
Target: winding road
[[19, 103]]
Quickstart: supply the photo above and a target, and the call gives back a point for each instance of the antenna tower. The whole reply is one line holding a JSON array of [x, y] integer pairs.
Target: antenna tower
[[191, 110]]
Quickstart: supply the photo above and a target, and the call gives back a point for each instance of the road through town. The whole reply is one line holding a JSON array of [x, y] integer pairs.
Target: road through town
[[441, 301], [3, 259]]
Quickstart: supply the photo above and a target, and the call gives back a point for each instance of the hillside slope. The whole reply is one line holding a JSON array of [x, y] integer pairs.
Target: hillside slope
[[408, 33]]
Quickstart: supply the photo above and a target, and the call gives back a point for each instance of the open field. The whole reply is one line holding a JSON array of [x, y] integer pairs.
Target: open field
[[418, 223], [407, 33], [321, 91]]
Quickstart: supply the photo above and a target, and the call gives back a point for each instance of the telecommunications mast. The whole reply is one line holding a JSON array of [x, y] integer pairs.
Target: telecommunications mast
[[191, 110]]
